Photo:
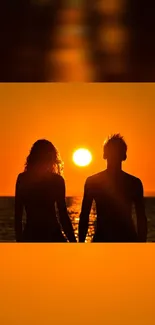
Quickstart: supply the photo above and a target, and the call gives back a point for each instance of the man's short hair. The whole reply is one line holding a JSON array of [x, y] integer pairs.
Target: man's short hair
[[115, 145]]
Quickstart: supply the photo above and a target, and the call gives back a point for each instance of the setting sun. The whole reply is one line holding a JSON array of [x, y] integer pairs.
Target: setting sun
[[82, 157]]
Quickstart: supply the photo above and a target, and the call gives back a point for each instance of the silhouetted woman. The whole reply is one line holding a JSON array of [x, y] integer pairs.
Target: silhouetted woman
[[40, 189]]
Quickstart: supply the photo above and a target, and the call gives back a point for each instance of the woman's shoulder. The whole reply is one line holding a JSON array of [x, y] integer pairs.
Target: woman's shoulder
[[21, 177], [20, 180], [58, 178]]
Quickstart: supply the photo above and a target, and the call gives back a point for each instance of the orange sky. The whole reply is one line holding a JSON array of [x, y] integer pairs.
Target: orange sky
[[74, 115]]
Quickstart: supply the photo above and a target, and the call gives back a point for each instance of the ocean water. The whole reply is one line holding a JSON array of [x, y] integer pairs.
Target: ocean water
[[73, 205]]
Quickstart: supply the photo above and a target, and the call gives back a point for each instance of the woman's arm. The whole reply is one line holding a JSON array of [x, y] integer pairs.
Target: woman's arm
[[63, 214], [18, 210]]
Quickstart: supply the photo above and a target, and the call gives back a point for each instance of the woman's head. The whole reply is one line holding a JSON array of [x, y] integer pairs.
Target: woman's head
[[44, 156]]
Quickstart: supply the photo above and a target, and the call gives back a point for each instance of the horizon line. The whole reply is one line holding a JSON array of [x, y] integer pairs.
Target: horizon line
[[146, 194]]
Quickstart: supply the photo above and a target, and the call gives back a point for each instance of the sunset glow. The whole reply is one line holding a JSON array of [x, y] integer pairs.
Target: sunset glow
[[73, 116], [82, 157]]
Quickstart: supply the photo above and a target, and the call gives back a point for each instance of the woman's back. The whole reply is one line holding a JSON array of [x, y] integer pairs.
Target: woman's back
[[38, 188], [38, 195]]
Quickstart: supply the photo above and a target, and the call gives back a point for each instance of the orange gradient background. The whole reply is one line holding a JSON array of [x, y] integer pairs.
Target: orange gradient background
[[74, 115], [77, 284]]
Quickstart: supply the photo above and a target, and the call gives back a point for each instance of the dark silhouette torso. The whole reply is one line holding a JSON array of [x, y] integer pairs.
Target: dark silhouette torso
[[39, 195], [114, 196]]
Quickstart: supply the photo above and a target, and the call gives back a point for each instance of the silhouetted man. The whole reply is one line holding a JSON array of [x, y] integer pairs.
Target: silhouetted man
[[114, 192]]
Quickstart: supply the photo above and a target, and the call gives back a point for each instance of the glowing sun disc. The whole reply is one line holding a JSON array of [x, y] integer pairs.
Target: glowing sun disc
[[82, 157]]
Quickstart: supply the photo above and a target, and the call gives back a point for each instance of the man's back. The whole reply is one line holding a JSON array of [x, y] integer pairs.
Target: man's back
[[114, 195], [114, 192]]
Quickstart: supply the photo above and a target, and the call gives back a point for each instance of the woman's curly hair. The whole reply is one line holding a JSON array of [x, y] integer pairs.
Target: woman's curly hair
[[44, 153]]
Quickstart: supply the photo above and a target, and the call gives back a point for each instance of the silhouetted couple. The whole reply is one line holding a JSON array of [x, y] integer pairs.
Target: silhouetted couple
[[40, 189]]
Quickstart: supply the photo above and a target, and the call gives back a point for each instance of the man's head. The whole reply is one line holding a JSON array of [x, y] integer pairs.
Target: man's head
[[115, 149]]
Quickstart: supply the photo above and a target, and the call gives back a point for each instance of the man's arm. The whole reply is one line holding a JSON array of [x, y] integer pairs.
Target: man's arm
[[18, 211], [63, 214], [140, 213], [85, 211]]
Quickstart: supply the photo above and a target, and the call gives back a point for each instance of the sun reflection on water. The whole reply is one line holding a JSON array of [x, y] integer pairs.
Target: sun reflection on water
[[74, 209]]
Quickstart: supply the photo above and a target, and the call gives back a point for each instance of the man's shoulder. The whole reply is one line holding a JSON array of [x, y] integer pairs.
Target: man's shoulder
[[133, 178], [95, 177]]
